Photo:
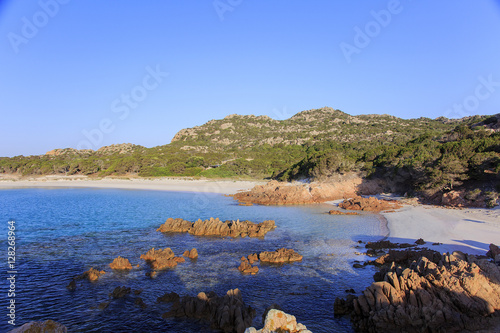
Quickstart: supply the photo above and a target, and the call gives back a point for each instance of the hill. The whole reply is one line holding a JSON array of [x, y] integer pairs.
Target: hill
[[434, 156]]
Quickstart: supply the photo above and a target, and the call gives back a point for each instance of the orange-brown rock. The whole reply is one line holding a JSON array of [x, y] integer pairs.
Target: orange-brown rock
[[282, 193], [459, 293], [179, 259], [371, 204], [338, 212], [227, 313], [280, 256], [193, 254], [453, 198], [247, 268], [216, 227], [253, 258], [120, 263], [160, 259], [91, 275]]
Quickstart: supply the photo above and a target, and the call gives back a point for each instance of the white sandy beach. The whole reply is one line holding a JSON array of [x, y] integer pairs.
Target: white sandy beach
[[160, 184], [469, 230]]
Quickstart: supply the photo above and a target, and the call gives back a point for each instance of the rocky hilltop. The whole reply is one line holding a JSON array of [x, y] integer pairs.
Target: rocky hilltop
[[307, 126]]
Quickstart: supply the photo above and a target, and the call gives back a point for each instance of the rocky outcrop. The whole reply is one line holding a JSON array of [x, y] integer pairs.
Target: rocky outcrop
[[92, 275], [216, 227], [227, 313], [338, 212], [160, 259], [281, 193], [48, 326], [120, 263], [371, 204], [279, 321], [458, 293], [193, 254], [246, 267], [280, 256]]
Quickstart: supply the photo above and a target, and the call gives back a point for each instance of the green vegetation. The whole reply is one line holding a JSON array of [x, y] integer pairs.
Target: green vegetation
[[417, 155]]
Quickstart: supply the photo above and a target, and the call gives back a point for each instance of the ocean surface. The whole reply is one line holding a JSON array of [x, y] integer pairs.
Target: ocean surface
[[60, 233]]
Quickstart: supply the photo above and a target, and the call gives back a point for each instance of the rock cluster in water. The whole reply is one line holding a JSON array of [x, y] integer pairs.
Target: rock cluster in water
[[161, 259], [216, 227], [41, 326], [435, 293], [227, 313], [193, 254], [120, 263], [371, 204], [279, 321], [92, 275], [279, 256]]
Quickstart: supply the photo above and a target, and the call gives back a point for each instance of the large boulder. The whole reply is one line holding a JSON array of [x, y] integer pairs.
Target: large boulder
[[227, 313], [279, 321], [458, 293], [48, 326], [216, 227], [120, 263]]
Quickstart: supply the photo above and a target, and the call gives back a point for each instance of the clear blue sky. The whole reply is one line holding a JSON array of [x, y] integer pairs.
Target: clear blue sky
[[85, 66]]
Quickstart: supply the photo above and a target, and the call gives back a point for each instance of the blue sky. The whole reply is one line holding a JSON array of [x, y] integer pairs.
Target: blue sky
[[85, 74]]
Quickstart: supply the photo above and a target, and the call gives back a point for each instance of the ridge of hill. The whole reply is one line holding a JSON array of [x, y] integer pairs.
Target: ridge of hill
[[308, 127]]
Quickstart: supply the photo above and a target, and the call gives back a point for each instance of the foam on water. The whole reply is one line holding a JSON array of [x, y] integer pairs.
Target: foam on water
[[63, 232]]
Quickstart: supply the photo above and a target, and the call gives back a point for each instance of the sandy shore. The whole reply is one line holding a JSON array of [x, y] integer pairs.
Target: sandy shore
[[469, 230], [159, 184]]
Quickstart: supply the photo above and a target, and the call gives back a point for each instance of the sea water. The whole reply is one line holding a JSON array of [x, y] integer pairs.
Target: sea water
[[60, 233]]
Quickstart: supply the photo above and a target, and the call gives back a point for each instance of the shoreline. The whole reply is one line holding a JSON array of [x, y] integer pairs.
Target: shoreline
[[159, 184], [470, 230]]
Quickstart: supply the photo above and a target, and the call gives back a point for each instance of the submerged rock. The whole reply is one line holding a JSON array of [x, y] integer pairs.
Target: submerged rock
[[216, 227], [120, 263], [279, 321], [458, 293], [227, 313], [120, 292], [48, 326]]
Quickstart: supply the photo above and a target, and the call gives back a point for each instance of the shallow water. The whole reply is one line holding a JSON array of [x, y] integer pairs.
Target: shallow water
[[63, 232]]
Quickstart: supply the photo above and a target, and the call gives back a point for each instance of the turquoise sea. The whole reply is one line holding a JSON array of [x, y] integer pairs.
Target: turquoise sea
[[60, 233]]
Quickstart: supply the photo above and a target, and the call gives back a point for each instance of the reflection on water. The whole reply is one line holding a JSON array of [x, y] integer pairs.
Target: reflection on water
[[63, 232]]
